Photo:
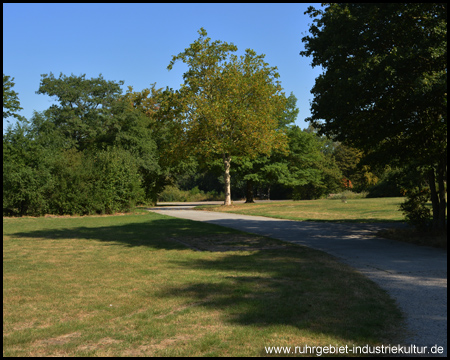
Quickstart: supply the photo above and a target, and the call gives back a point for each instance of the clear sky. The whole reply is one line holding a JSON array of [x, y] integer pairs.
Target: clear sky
[[135, 43]]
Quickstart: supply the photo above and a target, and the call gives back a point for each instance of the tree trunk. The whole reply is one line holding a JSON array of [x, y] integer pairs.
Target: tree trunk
[[227, 179], [249, 197], [434, 199], [441, 177], [438, 197]]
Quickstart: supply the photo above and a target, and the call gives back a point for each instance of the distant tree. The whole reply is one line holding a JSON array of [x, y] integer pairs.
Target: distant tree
[[347, 158], [43, 175], [289, 113], [26, 174], [146, 127], [228, 105], [83, 112], [11, 102], [384, 85], [310, 171], [267, 170]]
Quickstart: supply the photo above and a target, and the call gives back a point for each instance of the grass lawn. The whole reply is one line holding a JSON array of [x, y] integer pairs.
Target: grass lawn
[[136, 285], [354, 210]]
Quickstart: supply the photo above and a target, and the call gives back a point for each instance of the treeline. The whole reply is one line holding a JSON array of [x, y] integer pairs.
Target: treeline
[[95, 151], [99, 151]]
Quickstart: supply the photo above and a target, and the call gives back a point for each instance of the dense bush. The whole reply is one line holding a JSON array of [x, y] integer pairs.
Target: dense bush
[[25, 189], [309, 192], [415, 209], [71, 182], [117, 184], [390, 185], [348, 195], [174, 194]]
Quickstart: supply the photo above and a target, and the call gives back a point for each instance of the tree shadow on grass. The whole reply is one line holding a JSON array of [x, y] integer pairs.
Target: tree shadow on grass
[[153, 233], [291, 286]]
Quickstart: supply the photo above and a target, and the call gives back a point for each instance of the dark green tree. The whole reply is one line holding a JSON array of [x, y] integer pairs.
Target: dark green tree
[[11, 103], [83, 109], [384, 84], [26, 174], [289, 113], [146, 127], [310, 172], [267, 170]]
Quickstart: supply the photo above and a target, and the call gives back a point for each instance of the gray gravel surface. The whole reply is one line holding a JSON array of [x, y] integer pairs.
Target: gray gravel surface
[[416, 276]]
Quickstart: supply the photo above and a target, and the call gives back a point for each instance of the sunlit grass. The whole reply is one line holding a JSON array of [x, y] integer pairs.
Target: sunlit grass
[[365, 210], [129, 286], [354, 210]]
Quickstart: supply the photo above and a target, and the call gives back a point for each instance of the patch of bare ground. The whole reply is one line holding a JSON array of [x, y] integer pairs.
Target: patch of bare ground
[[101, 344], [151, 349], [97, 215], [59, 340], [413, 236], [235, 242], [180, 308]]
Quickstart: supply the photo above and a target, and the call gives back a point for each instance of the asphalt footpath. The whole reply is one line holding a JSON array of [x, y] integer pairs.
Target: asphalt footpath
[[416, 276]]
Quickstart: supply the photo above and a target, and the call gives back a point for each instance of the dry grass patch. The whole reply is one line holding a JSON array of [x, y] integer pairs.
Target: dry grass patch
[[354, 210], [133, 286], [413, 236], [231, 242]]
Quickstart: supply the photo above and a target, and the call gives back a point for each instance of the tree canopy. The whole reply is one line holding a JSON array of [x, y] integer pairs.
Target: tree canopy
[[384, 84], [83, 109], [11, 103], [229, 105]]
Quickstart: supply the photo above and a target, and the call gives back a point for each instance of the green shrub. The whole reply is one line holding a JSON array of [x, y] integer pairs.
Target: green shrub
[[70, 182], [348, 195], [27, 178], [415, 209], [393, 183], [308, 192], [25, 190], [116, 181], [174, 194]]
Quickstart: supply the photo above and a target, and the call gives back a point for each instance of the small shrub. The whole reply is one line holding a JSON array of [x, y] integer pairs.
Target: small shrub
[[348, 195], [387, 186], [174, 194], [415, 209], [308, 192], [215, 196]]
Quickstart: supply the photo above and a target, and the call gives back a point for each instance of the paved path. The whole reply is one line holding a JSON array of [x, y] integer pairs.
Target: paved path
[[416, 276]]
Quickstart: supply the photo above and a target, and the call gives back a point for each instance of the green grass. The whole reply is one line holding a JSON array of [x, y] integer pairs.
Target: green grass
[[133, 285], [354, 210]]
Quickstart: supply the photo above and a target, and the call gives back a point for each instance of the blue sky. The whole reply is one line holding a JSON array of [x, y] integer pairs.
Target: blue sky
[[135, 43]]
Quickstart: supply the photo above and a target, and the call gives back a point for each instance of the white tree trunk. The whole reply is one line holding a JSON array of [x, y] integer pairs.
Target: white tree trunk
[[227, 179]]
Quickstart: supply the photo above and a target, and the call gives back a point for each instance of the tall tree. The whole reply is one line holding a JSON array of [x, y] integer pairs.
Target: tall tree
[[268, 170], [83, 111], [11, 103], [290, 112], [229, 105], [145, 126], [384, 85]]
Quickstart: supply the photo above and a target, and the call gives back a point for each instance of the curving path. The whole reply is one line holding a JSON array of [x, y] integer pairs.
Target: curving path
[[416, 276]]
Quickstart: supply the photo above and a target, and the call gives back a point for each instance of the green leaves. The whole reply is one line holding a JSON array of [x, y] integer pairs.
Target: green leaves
[[83, 112], [384, 85], [381, 63], [11, 102], [229, 105]]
